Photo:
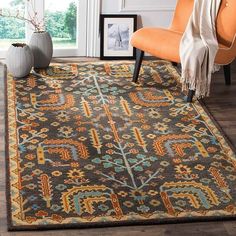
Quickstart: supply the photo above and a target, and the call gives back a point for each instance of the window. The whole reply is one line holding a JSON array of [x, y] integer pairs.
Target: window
[[12, 30], [61, 22], [65, 21]]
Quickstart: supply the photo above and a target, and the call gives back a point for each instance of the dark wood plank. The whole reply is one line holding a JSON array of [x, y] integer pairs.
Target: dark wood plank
[[230, 228], [222, 104]]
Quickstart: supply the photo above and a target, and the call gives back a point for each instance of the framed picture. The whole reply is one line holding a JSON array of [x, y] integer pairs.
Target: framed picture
[[116, 32]]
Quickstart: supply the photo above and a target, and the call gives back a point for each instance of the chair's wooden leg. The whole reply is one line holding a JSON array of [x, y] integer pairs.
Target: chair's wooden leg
[[174, 63], [138, 63], [190, 95], [227, 74]]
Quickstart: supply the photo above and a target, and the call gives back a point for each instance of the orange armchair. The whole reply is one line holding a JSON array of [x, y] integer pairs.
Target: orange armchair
[[164, 43]]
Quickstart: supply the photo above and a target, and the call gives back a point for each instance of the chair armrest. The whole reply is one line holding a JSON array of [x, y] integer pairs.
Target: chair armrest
[[232, 46]]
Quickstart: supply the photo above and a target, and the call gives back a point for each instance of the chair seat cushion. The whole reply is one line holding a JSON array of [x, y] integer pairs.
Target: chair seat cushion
[[164, 44], [158, 42]]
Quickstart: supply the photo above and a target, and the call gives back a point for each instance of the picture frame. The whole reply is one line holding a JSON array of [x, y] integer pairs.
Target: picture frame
[[116, 32]]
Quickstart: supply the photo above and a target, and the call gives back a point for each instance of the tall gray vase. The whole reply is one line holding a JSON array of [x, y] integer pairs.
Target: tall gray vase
[[42, 48], [19, 60]]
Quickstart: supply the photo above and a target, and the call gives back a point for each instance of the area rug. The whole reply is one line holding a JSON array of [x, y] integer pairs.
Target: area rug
[[87, 147]]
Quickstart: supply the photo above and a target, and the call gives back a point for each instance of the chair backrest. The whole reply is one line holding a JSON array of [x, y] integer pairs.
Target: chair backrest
[[226, 19], [226, 22], [182, 13]]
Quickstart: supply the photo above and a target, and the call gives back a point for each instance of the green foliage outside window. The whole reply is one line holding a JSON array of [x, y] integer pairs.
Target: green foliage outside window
[[58, 24], [11, 28], [70, 20]]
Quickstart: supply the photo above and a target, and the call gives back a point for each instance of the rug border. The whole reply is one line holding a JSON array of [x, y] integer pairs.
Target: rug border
[[186, 220], [215, 122], [7, 164]]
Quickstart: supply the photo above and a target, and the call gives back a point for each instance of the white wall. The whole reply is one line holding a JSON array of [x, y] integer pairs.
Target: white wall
[[154, 13]]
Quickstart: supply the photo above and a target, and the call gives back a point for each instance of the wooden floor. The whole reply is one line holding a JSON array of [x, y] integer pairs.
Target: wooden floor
[[222, 104]]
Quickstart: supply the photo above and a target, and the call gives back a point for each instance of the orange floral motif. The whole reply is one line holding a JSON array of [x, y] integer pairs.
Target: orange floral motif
[[57, 173], [110, 151], [212, 149], [69, 143], [183, 169], [57, 218], [30, 157], [74, 164], [41, 214], [30, 219], [148, 99], [75, 174], [49, 104]]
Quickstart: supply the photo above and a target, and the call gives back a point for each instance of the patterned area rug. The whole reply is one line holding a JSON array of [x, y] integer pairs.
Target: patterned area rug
[[86, 147]]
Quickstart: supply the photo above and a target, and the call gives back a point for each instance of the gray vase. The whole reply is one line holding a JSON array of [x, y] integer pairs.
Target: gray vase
[[19, 60], [42, 48]]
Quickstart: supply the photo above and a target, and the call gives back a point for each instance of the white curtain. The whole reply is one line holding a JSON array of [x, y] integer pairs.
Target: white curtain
[[93, 16]]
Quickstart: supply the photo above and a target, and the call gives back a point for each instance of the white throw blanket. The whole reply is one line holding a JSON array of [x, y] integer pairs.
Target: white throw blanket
[[199, 46]]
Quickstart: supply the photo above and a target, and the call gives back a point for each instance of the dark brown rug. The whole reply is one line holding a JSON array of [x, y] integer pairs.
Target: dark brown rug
[[86, 147]]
